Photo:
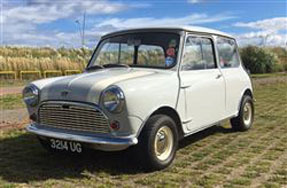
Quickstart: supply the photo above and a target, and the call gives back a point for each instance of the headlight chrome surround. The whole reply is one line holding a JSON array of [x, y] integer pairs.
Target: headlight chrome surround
[[31, 95], [113, 99]]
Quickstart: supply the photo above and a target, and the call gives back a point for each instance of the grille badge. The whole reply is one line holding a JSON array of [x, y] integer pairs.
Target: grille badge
[[64, 93], [65, 106]]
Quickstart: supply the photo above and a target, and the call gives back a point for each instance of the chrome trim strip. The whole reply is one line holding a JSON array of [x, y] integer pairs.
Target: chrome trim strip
[[74, 103], [32, 128], [207, 126]]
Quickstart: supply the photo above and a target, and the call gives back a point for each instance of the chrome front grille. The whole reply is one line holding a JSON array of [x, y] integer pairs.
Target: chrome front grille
[[73, 116]]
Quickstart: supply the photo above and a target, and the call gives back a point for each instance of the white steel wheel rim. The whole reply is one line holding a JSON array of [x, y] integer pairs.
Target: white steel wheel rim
[[247, 114], [163, 143]]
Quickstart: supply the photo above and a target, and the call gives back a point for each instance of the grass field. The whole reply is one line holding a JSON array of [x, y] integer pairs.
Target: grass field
[[11, 101], [214, 157]]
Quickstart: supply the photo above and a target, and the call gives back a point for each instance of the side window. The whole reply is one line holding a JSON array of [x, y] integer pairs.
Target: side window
[[228, 56], [198, 54]]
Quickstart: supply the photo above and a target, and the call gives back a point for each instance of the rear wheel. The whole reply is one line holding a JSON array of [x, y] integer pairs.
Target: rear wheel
[[158, 142], [245, 118]]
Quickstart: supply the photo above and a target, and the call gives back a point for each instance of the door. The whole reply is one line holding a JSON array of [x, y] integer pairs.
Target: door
[[202, 84]]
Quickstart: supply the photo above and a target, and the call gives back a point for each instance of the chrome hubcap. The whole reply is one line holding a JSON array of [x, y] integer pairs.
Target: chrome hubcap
[[163, 143], [247, 114]]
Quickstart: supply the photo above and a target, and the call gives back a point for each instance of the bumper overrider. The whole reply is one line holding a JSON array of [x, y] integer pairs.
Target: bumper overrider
[[97, 142]]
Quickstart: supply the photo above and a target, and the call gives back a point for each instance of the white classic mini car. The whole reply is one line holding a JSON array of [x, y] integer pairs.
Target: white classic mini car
[[147, 88]]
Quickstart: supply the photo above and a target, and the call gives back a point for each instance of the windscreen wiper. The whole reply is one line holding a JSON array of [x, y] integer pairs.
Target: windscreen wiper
[[111, 65], [94, 67]]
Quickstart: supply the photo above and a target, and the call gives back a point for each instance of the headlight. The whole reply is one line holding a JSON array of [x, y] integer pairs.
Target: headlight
[[31, 95], [113, 99]]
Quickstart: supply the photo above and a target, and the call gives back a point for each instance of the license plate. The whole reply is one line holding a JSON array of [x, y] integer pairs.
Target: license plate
[[64, 145]]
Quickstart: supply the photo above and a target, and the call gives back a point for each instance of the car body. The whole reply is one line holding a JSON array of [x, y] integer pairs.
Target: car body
[[196, 79]]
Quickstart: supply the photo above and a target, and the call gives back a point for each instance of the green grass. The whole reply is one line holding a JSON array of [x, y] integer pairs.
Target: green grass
[[11, 101], [12, 83], [214, 157], [269, 75]]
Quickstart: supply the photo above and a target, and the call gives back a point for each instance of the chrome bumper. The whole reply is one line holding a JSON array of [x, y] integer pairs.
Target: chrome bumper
[[101, 143]]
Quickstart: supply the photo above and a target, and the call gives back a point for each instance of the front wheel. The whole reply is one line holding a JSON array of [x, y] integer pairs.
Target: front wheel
[[245, 118], [158, 142]]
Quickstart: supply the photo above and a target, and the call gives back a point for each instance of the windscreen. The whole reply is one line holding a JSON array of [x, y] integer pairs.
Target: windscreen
[[146, 49]]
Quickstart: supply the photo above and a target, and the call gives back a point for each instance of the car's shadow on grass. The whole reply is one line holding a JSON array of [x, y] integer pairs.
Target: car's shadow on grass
[[203, 134], [22, 160]]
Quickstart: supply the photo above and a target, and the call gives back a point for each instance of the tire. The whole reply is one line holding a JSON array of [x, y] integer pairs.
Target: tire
[[158, 143], [245, 118]]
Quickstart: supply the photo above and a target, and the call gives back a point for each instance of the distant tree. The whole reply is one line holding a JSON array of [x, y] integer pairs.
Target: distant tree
[[258, 60]]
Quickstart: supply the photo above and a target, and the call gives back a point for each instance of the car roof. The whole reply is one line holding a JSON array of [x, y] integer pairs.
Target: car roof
[[183, 28]]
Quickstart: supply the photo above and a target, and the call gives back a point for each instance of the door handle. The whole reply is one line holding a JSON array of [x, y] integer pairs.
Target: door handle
[[184, 87], [218, 76]]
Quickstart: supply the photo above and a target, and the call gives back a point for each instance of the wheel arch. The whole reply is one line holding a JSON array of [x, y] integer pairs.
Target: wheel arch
[[248, 92], [172, 113]]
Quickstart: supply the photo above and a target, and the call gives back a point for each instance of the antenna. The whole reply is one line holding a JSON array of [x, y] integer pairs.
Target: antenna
[[79, 29], [82, 28]]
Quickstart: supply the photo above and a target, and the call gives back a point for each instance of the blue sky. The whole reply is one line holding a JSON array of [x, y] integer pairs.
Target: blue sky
[[52, 23]]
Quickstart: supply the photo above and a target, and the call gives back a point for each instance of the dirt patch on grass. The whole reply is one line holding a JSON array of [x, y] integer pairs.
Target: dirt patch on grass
[[10, 90], [13, 116], [268, 81], [8, 126]]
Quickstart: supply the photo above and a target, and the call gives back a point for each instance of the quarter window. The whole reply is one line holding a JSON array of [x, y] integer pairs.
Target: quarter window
[[198, 54], [227, 52]]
